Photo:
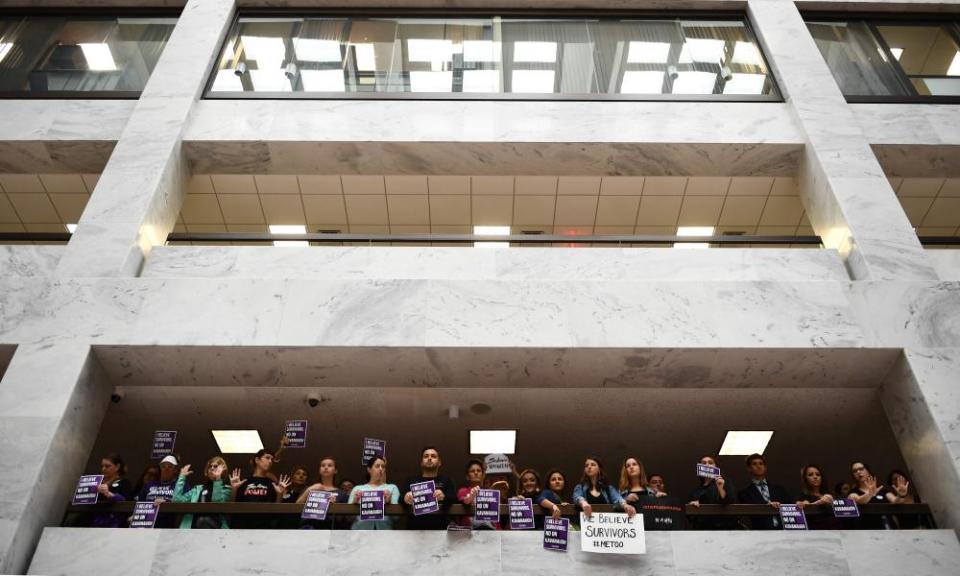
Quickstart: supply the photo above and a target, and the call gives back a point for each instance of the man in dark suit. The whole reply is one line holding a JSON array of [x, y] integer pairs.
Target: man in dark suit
[[759, 491]]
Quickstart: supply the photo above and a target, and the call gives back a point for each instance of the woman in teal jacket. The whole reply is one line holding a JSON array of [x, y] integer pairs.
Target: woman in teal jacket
[[214, 489]]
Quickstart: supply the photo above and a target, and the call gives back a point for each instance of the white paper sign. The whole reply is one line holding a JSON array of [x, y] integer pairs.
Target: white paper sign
[[612, 533], [497, 464]]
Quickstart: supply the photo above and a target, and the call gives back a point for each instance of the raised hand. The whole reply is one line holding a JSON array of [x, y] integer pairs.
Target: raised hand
[[282, 486], [185, 471], [902, 487], [235, 479], [587, 509]]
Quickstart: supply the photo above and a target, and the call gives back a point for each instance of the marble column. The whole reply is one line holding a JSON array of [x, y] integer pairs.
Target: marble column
[[52, 401], [847, 197], [136, 201]]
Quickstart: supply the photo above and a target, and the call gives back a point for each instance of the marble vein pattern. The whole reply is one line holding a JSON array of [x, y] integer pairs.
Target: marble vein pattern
[[29, 261], [52, 120], [947, 263], [879, 553], [908, 314], [404, 552], [181, 552], [129, 552]]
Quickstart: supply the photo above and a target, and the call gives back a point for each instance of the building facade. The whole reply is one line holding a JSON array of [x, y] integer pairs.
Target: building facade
[[847, 350]]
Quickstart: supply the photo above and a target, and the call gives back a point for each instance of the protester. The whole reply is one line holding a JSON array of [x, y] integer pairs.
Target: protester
[[327, 483], [761, 491], [113, 488], [258, 488], [161, 489], [467, 494], [551, 497], [376, 480], [812, 483], [898, 480], [445, 492], [528, 486], [867, 490], [633, 482], [150, 474], [213, 489], [657, 486], [712, 491], [594, 488]]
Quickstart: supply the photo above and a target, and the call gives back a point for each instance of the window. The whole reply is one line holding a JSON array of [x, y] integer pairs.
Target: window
[[490, 58], [884, 60], [97, 56]]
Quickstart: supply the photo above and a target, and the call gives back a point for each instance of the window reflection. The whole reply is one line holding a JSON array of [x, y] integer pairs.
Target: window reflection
[[337, 56]]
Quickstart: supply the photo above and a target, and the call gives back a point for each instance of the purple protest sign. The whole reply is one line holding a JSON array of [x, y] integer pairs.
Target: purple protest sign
[[371, 505], [86, 492], [373, 447], [424, 497], [521, 513], [316, 506], [845, 508], [296, 433], [163, 442], [555, 532], [486, 506], [793, 517], [144, 515], [705, 471]]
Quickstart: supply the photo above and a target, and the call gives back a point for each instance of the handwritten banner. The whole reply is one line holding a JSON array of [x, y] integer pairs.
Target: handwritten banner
[[610, 533]]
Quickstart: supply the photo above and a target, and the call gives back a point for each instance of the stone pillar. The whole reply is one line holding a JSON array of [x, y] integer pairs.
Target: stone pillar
[[847, 197], [135, 203], [52, 401]]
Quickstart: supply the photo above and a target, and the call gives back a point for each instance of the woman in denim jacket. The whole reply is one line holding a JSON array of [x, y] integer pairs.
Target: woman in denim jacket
[[594, 488]]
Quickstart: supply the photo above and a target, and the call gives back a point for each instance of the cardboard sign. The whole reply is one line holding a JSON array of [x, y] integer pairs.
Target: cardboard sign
[[705, 471], [163, 443], [845, 508], [144, 515], [792, 517], [486, 506], [371, 505], [497, 464], [424, 497], [296, 433], [555, 533], [521, 513], [316, 506], [373, 447], [611, 533], [86, 492]]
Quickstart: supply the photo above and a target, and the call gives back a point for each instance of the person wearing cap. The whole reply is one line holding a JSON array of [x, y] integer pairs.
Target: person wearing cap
[[161, 490]]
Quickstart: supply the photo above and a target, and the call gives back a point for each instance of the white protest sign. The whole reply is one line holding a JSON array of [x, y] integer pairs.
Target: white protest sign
[[609, 533], [497, 464]]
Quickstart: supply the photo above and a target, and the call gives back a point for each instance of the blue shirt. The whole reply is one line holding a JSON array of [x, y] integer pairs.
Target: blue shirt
[[609, 495]]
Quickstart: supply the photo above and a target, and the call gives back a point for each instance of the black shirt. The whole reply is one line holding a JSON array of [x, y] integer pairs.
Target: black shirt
[[255, 489], [710, 494], [876, 521], [438, 520]]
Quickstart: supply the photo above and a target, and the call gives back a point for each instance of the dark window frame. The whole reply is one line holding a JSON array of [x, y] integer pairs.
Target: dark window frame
[[742, 16]]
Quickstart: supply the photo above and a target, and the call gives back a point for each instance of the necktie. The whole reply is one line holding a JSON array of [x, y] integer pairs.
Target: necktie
[[764, 490]]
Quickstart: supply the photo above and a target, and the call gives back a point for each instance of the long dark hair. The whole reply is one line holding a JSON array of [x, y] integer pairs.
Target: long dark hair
[[117, 461], [805, 486], [602, 481]]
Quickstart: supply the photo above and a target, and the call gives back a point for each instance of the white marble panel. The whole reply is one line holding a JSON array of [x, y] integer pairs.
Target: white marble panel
[[947, 263], [523, 554], [48, 119], [413, 552], [908, 314], [29, 261], [181, 552], [879, 553], [74, 551], [738, 553]]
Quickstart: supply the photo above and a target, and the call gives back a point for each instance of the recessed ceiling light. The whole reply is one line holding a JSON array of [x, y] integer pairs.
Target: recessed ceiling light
[[310, 50], [429, 50], [271, 80], [745, 442], [288, 229], [532, 81], [421, 81], [71, 228], [238, 441], [491, 230], [366, 57], [642, 82], [98, 56], [746, 53], [745, 84], [897, 52], [648, 52], [493, 441], [481, 51], [4, 49], [322, 80], [694, 83], [702, 50], [534, 51], [693, 231], [268, 51]]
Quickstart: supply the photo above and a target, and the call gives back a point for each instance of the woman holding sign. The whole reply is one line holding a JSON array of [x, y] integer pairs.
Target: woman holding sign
[[327, 483], [113, 488], [551, 498], [594, 488], [376, 481]]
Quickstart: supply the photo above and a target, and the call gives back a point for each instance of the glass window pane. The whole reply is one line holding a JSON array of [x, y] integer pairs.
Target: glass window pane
[[858, 62], [928, 55], [40, 54], [580, 57]]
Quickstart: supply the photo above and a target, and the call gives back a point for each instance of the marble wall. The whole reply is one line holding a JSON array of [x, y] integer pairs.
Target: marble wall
[[29, 261], [66, 551], [947, 263]]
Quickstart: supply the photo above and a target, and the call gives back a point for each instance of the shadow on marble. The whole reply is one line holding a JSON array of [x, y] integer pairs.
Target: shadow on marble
[[86, 551], [523, 554], [413, 552]]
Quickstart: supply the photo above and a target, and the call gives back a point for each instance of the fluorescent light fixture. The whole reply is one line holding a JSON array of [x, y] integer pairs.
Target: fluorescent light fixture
[[323, 80], [288, 229], [238, 441], [745, 84], [532, 81], [635, 82], [71, 228], [482, 51], [98, 57], [954, 69], [268, 51], [694, 83], [227, 81], [429, 50], [475, 81], [366, 57], [693, 231], [897, 53], [702, 50], [273, 80], [534, 51], [746, 53], [4, 49], [648, 52], [745, 442], [431, 81], [310, 50], [493, 441], [491, 230]]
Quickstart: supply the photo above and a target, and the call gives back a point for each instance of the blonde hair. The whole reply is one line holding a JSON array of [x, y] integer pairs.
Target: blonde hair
[[216, 460], [520, 480], [625, 478]]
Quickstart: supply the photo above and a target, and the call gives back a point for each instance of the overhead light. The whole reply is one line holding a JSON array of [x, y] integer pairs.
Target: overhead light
[[98, 56], [897, 53], [268, 51], [745, 84], [493, 441], [481, 81], [227, 81], [637, 82], [693, 231], [71, 228], [491, 231], [702, 50], [323, 80], [954, 69], [694, 83], [435, 51], [482, 51], [310, 50], [238, 441], [532, 81], [746, 53], [431, 81], [366, 57], [648, 52], [745, 442], [288, 229], [5, 49], [534, 51], [271, 80]]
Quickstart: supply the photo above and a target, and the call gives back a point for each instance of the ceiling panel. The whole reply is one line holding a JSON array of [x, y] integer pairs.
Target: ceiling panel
[[621, 186], [362, 185], [201, 209], [322, 208], [36, 208], [664, 186], [492, 210], [617, 210], [12, 183], [408, 210], [920, 187], [578, 185], [236, 208], [406, 185], [69, 206], [536, 185], [707, 186], [576, 210], [700, 210], [311, 184], [277, 184], [491, 185], [659, 211], [448, 185], [534, 210], [782, 211], [366, 208], [63, 183], [283, 208], [234, 184], [452, 210], [742, 210]]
